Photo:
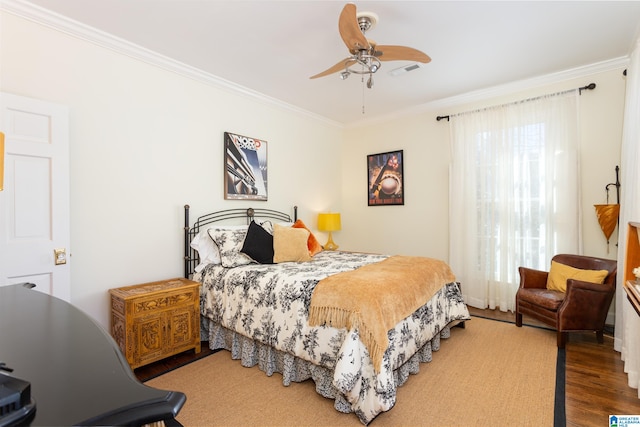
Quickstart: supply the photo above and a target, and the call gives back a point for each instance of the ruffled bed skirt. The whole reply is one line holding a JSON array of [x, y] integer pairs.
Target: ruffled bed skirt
[[292, 368]]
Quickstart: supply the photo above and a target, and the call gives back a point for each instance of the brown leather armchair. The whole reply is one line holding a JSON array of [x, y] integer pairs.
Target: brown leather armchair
[[583, 307]]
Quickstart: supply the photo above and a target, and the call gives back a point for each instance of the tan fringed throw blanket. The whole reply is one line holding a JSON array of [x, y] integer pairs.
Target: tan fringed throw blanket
[[376, 297]]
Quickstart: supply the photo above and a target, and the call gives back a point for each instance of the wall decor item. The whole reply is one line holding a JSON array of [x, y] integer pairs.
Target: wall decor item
[[609, 214], [245, 176], [385, 178]]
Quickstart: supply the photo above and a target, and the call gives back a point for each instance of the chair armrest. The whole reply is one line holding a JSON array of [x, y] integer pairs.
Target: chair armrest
[[530, 278], [576, 286], [585, 305]]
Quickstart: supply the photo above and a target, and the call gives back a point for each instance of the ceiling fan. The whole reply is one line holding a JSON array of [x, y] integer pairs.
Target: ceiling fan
[[366, 55]]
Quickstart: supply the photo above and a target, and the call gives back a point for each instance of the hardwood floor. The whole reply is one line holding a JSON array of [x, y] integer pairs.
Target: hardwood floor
[[595, 387], [595, 382]]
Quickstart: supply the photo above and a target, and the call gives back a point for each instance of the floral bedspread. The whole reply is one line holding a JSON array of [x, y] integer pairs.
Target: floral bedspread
[[269, 305]]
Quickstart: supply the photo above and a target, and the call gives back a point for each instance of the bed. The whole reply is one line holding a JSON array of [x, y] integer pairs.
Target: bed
[[272, 313]]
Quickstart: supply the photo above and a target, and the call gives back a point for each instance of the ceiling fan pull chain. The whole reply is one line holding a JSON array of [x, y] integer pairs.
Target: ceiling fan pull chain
[[362, 78]]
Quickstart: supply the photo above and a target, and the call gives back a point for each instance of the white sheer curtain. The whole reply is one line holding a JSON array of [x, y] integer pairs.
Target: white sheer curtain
[[627, 331], [514, 194]]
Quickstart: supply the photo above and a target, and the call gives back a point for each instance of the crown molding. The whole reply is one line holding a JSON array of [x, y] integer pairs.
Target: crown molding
[[532, 83], [501, 90], [105, 40]]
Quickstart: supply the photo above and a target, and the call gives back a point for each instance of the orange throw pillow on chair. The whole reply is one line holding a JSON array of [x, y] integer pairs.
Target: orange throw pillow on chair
[[560, 273]]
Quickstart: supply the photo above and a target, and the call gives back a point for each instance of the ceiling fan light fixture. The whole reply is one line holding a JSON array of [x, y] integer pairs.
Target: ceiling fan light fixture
[[366, 54], [362, 63]]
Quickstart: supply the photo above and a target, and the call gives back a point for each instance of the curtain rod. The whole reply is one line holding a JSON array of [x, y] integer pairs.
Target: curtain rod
[[590, 86]]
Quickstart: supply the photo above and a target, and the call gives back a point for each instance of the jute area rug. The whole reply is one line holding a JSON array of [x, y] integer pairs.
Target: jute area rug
[[490, 373]]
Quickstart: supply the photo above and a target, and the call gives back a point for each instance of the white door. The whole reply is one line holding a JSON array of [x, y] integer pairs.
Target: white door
[[34, 206]]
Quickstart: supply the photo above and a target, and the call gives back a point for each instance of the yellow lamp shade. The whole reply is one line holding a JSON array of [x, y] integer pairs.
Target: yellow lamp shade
[[329, 222]]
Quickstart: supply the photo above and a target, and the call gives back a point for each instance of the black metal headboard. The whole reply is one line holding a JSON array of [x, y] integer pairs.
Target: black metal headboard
[[191, 258]]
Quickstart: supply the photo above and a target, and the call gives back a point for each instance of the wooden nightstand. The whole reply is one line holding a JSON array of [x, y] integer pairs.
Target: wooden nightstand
[[155, 320]]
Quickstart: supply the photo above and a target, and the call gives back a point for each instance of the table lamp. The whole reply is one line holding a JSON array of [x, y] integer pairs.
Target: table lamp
[[329, 222]]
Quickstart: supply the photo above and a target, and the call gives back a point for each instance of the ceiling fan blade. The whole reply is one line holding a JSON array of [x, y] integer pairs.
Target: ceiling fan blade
[[350, 30], [400, 53], [338, 67]]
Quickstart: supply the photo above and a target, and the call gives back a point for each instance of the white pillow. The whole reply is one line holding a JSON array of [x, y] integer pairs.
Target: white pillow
[[206, 248], [229, 244], [268, 225]]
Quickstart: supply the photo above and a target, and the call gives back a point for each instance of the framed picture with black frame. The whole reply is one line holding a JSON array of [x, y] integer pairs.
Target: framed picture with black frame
[[385, 178], [245, 168]]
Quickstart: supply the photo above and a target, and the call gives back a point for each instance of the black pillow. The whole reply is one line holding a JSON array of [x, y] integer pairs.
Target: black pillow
[[258, 244]]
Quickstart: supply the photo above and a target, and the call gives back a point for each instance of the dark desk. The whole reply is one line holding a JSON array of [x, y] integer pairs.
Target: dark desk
[[77, 373]]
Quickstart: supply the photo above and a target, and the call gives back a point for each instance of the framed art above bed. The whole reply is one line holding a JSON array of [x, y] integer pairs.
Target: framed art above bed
[[385, 178], [245, 176]]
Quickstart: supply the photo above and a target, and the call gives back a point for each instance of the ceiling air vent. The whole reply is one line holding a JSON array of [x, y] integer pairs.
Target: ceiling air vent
[[401, 70]]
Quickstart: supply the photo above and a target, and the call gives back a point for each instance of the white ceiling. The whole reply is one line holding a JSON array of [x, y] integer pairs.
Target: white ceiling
[[273, 47]]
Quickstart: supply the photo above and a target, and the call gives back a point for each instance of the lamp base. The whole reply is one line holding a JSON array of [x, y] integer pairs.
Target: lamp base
[[330, 245]]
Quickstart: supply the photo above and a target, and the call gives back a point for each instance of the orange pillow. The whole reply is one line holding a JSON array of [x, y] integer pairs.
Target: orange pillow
[[312, 243], [559, 273]]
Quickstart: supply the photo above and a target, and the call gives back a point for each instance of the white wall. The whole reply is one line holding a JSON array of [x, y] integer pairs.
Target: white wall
[[143, 143], [420, 227]]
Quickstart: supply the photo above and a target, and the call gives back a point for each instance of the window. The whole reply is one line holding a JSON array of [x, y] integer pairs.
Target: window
[[514, 194]]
